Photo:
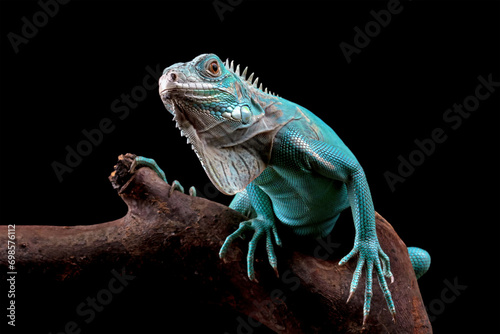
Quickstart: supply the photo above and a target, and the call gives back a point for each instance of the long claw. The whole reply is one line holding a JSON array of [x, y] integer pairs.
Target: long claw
[[252, 245], [176, 186], [133, 166], [368, 290], [350, 296], [386, 264], [346, 258], [223, 250], [385, 289], [355, 278], [271, 255], [142, 161], [276, 237]]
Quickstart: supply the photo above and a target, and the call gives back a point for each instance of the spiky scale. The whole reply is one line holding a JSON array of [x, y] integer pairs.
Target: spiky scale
[[256, 82], [244, 74], [250, 78]]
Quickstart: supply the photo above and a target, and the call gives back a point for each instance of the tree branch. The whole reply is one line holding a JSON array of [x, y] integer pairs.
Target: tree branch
[[183, 235]]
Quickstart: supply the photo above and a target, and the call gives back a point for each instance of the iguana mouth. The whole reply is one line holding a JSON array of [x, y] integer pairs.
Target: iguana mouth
[[203, 97], [187, 88]]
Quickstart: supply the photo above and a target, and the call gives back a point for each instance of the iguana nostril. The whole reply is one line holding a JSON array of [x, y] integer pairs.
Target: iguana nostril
[[173, 76]]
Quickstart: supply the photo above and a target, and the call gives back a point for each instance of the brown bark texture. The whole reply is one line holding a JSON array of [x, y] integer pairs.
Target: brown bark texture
[[183, 234]]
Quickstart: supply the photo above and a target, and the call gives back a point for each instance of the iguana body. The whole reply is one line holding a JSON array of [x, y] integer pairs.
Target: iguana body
[[285, 165]]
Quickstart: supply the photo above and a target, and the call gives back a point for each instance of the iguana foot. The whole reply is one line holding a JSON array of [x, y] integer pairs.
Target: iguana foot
[[177, 186], [147, 162], [371, 255], [142, 161], [261, 228]]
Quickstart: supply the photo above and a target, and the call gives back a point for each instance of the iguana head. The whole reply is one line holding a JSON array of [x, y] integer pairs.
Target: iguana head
[[230, 122]]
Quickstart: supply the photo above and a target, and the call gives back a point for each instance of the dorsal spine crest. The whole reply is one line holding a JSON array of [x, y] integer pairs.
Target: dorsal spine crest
[[236, 70]]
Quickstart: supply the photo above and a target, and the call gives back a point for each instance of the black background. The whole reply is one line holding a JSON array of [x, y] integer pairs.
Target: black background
[[396, 90]]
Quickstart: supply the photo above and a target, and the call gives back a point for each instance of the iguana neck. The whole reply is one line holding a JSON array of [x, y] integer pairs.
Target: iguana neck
[[229, 120]]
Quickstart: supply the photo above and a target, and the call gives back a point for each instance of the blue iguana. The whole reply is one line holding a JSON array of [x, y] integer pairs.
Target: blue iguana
[[283, 164]]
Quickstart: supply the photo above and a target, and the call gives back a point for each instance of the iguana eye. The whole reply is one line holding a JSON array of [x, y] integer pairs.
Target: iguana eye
[[214, 68]]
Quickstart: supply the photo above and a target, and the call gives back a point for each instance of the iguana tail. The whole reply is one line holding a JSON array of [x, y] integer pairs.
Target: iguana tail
[[420, 260]]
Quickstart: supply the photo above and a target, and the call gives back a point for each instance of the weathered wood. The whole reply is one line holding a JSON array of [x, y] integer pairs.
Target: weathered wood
[[183, 235]]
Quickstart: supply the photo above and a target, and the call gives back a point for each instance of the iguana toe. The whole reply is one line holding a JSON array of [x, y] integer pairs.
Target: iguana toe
[[147, 162]]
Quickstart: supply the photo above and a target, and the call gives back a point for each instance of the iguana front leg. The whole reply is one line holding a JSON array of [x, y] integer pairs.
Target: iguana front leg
[[262, 223], [333, 163], [241, 203]]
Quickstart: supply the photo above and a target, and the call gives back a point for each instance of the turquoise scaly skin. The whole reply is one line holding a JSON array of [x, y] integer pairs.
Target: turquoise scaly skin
[[283, 163], [420, 260]]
